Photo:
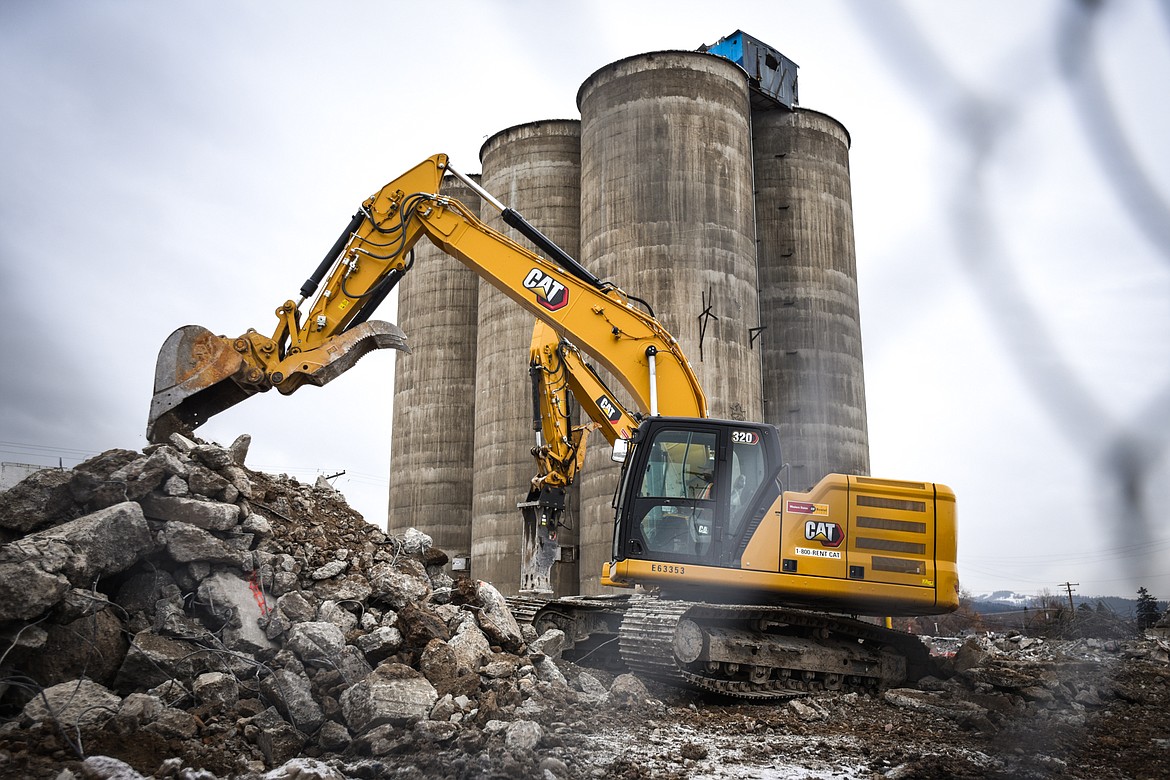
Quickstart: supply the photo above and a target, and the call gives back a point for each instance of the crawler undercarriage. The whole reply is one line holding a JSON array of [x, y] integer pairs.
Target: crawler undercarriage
[[749, 652]]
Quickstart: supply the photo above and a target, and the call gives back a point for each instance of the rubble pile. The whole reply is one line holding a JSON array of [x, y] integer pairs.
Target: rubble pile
[[173, 613]]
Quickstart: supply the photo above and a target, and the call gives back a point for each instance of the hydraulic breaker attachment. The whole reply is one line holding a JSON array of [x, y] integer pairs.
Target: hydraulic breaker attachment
[[538, 540], [199, 374]]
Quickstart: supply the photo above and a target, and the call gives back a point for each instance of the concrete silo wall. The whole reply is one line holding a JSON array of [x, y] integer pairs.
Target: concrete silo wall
[[814, 386], [535, 169], [666, 213], [434, 393]]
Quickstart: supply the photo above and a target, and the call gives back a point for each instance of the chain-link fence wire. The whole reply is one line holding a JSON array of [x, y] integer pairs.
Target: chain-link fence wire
[[1124, 451]]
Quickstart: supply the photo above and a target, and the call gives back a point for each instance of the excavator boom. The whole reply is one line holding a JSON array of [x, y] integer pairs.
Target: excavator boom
[[199, 375]]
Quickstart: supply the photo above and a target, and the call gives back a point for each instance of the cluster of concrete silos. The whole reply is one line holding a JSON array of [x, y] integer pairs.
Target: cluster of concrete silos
[[731, 216]]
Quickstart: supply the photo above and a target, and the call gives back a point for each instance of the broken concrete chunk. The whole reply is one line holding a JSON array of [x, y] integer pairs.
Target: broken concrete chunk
[[39, 499], [591, 686], [547, 670], [153, 660], [176, 487], [277, 739], [218, 690], [293, 697], [415, 542], [73, 703], [302, 768], [333, 736], [205, 482], [350, 588], [332, 612], [399, 583], [296, 607], [181, 443], [209, 515], [141, 591], [331, 569], [239, 480], [257, 525], [380, 644], [352, 665], [91, 646], [186, 543], [105, 542], [108, 768], [239, 449], [27, 591], [97, 492], [970, 655], [136, 711], [523, 735], [627, 689], [234, 603], [550, 643], [392, 694], [173, 723], [212, 455], [316, 642], [496, 619], [470, 644], [419, 626]]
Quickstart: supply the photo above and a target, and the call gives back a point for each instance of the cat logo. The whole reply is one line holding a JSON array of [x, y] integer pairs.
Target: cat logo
[[608, 408], [550, 293], [828, 534]]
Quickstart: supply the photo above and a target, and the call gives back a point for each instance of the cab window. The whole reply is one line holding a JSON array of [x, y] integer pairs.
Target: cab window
[[676, 498]]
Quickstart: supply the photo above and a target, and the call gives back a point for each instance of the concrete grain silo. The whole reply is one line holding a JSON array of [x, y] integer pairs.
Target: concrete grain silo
[[434, 392], [666, 213], [814, 386], [535, 169]]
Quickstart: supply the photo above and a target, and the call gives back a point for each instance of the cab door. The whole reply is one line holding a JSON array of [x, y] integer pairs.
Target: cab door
[[672, 503]]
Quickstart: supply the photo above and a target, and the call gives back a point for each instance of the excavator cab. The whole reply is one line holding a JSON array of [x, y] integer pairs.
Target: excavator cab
[[693, 491]]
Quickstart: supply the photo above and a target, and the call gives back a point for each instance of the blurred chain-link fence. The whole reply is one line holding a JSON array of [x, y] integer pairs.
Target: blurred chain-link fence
[[1125, 450]]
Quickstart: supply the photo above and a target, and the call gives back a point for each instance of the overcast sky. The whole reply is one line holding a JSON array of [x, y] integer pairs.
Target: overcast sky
[[170, 164]]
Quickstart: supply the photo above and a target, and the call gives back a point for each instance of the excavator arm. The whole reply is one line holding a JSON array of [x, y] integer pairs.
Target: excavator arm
[[560, 373], [199, 374]]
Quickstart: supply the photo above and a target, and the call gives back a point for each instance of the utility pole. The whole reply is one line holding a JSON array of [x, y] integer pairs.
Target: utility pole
[[1068, 586]]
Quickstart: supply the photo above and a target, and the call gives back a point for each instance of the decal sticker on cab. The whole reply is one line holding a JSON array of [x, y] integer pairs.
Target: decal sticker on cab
[[828, 534]]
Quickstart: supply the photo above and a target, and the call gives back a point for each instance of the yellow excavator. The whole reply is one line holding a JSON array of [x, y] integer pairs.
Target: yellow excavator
[[745, 589]]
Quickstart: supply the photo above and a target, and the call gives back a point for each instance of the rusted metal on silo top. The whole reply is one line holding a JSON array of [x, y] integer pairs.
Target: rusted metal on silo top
[[638, 62], [541, 127], [770, 74]]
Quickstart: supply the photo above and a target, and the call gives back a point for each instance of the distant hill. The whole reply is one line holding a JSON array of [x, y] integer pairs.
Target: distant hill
[[1001, 601]]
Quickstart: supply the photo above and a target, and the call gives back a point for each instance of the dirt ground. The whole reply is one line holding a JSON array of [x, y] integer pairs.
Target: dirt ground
[[850, 736], [678, 735]]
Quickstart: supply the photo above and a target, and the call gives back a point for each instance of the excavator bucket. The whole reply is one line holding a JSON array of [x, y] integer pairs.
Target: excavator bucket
[[195, 378], [199, 374]]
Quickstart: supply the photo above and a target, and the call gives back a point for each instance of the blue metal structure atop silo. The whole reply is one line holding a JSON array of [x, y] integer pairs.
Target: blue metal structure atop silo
[[770, 73]]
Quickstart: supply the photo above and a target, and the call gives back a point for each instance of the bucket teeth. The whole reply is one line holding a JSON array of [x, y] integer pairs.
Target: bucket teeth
[[340, 353]]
